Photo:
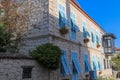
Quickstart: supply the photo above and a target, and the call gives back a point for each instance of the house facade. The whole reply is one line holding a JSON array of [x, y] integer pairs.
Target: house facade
[[83, 52]]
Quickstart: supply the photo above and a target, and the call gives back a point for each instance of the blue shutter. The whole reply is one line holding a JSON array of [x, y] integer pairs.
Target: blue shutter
[[62, 16], [65, 63], [97, 38], [85, 31], [73, 29], [92, 38], [86, 59], [95, 63], [76, 63], [100, 63]]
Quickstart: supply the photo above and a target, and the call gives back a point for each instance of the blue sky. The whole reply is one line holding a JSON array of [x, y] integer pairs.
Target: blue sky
[[106, 13]]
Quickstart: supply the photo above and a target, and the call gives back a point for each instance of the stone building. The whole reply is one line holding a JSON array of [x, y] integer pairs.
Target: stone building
[[82, 45]]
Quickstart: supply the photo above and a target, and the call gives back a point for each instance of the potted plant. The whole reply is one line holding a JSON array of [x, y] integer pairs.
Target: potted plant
[[86, 40], [98, 45], [64, 30], [87, 76], [100, 72]]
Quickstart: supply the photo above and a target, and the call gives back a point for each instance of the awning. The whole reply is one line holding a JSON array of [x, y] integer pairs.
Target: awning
[[86, 59], [66, 64], [76, 63]]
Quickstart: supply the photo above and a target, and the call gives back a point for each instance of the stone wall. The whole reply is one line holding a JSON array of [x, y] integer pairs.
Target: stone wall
[[37, 25], [11, 69]]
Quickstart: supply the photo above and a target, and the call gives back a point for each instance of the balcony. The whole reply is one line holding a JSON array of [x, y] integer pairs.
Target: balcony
[[108, 44]]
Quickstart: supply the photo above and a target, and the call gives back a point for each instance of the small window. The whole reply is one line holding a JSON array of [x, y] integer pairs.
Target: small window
[[27, 72]]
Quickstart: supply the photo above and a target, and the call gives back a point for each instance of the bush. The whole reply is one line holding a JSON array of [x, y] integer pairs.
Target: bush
[[48, 56]]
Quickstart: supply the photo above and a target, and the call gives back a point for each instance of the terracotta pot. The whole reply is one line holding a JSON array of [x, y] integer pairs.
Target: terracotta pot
[[64, 30], [87, 75], [86, 40], [98, 45], [100, 72]]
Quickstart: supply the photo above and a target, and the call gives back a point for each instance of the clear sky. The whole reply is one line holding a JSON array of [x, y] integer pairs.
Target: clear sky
[[106, 13]]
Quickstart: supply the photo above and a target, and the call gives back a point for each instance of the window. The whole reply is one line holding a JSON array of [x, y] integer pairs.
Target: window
[[74, 27], [87, 63], [100, 64], [107, 43], [74, 69], [95, 63], [97, 39], [93, 39], [65, 66], [76, 65], [85, 31], [62, 16], [94, 67], [27, 72], [86, 68]]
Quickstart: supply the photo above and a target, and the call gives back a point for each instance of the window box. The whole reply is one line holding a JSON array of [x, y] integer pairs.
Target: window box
[[64, 30], [98, 45], [86, 40], [87, 76], [100, 72]]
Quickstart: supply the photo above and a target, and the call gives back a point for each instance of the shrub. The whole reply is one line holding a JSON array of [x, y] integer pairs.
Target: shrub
[[48, 56]]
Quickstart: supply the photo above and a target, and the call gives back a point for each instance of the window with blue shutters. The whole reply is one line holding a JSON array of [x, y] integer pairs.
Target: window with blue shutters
[[62, 16], [100, 63], [87, 63], [92, 38], [97, 38], [74, 28], [65, 66], [76, 64], [95, 65], [85, 31]]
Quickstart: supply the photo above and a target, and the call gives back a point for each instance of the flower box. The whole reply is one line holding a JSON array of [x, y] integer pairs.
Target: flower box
[[87, 76], [98, 45], [64, 30], [100, 72], [86, 40]]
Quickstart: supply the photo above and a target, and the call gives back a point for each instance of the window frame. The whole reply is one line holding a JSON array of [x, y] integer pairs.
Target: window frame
[[27, 72]]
